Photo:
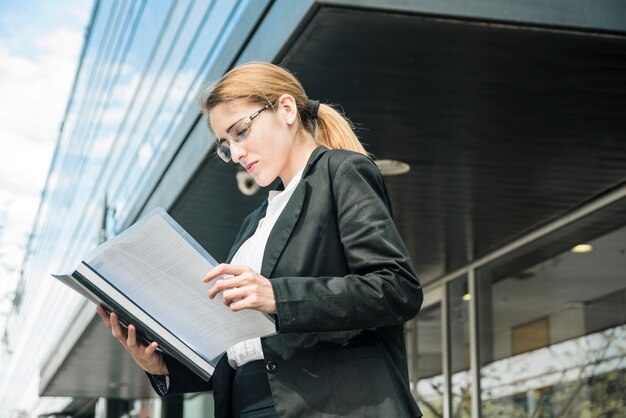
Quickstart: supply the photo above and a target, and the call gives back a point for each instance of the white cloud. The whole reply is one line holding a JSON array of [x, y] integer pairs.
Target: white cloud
[[38, 88], [24, 163], [38, 61]]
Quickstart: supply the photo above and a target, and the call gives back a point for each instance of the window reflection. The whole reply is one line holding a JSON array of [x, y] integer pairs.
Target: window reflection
[[425, 368], [458, 303], [553, 335]]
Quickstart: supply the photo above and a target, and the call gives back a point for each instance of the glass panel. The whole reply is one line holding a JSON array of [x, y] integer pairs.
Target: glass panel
[[198, 405], [143, 408], [553, 334], [458, 302], [425, 367]]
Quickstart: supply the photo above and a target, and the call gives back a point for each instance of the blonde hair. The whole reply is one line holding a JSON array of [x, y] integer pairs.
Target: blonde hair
[[264, 83]]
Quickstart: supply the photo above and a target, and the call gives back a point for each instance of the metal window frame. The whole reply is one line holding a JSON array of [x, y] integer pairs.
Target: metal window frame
[[470, 270]]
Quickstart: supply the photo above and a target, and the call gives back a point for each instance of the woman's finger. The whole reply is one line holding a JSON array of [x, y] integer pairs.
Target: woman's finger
[[246, 277], [223, 284], [131, 337], [254, 301], [235, 294], [116, 328], [222, 269], [144, 355], [104, 315], [150, 349]]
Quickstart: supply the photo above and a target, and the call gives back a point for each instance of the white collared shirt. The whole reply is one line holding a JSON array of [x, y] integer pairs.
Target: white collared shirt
[[251, 254]]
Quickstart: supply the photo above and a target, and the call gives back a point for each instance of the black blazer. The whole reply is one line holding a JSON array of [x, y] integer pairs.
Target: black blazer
[[344, 286]]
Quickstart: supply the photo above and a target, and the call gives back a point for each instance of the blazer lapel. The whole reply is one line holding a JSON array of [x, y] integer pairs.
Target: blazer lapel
[[284, 225], [282, 229]]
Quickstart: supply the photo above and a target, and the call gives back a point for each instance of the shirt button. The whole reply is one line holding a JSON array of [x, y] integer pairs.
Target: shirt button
[[271, 366]]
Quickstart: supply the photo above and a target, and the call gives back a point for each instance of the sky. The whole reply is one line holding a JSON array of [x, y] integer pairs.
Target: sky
[[40, 44]]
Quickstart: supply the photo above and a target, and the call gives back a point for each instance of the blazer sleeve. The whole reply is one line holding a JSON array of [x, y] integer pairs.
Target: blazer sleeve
[[181, 379], [382, 288]]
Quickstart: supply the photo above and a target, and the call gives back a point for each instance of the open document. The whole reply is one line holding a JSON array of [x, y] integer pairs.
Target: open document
[[151, 275]]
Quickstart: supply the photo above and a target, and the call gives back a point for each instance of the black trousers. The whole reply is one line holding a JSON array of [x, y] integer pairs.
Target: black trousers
[[251, 394]]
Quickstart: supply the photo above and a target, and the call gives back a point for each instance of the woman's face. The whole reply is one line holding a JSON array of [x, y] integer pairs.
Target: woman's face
[[266, 152]]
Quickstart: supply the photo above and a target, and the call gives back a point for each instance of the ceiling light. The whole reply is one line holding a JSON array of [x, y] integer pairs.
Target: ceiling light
[[467, 297], [392, 167], [582, 248]]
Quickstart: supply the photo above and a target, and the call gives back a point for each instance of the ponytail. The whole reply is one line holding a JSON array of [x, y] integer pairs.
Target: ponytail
[[334, 131]]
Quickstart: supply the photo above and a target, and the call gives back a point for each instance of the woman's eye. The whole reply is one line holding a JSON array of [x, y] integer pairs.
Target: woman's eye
[[241, 133]]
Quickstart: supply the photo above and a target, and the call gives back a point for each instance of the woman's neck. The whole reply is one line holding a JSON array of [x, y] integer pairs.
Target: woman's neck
[[300, 154]]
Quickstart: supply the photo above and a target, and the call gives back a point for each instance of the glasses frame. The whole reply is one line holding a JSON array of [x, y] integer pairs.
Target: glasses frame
[[222, 146]]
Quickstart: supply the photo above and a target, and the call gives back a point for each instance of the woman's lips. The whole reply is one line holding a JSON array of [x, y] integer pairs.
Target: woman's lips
[[250, 167]]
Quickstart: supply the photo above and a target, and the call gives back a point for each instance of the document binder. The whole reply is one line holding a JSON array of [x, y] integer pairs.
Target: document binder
[[151, 276]]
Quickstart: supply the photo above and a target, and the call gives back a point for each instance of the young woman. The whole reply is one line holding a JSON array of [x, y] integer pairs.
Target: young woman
[[322, 255]]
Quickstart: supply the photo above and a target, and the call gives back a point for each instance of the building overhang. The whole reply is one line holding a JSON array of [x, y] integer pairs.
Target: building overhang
[[89, 363]]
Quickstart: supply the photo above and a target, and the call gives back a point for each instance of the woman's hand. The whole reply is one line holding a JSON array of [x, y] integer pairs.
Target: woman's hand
[[145, 356], [246, 289]]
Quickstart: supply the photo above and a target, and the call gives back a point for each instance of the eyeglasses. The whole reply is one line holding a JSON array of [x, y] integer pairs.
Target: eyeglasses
[[236, 133]]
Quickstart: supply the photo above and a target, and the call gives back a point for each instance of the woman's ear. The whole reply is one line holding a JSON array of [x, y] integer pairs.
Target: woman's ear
[[287, 108]]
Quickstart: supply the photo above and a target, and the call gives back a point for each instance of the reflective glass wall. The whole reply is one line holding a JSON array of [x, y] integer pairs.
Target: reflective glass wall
[[553, 338], [132, 105], [425, 360], [459, 299], [549, 337]]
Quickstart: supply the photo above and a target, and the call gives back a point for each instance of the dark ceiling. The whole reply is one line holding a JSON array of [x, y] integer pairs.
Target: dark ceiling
[[506, 128]]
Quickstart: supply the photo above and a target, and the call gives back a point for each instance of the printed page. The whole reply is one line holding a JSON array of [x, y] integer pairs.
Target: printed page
[[161, 271]]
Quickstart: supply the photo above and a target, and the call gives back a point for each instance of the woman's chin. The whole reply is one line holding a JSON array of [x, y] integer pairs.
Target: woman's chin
[[263, 181]]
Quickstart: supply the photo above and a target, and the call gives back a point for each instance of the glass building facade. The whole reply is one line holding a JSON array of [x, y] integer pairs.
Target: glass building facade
[[533, 326], [142, 65]]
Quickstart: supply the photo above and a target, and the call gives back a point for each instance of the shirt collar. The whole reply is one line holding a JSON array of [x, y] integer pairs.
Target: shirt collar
[[292, 185]]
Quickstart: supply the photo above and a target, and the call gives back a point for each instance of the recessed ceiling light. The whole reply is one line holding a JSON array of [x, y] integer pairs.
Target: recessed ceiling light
[[582, 248], [392, 167]]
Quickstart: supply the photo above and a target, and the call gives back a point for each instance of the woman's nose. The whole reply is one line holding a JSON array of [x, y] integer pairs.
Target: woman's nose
[[237, 150]]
